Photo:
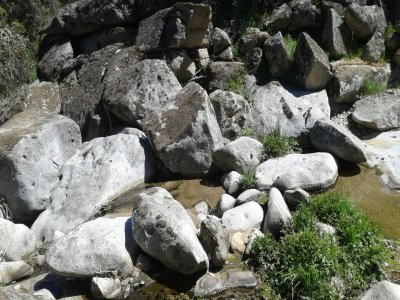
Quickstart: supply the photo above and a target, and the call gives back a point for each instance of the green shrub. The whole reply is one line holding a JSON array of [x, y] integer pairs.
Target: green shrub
[[237, 85], [248, 181], [355, 53], [246, 131], [389, 30], [370, 87], [276, 145], [301, 265], [291, 43]]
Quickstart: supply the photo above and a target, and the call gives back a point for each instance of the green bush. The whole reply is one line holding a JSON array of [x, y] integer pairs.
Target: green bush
[[276, 145], [248, 181], [370, 87], [302, 264], [246, 131], [389, 30], [237, 85], [291, 43]]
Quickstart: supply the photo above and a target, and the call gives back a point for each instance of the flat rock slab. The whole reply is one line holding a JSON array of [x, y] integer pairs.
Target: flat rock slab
[[96, 248], [315, 171]]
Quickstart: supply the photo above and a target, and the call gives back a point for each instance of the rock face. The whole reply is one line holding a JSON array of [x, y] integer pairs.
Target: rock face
[[95, 248], [231, 110], [315, 171], [33, 146], [375, 48], [242, 155], [364, 20], [276, 55], [330, 137], [311, 63], [95, 175], [382, 290], [379, 112], [10, 271], [335, 35], [278, 214], [16, 240], [244, 217], [294, 112], [186, 135], [164, 230], [145, 88]]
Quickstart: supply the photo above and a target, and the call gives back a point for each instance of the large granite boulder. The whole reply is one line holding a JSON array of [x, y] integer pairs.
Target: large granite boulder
[[33, 146], [375, 48], [379, 112], [187, 133], [382, 290], [277, 20], [181, 64], [330, 137], [163, 229], [276, 54], [92, 178], [305, 14], [95, 248], [220, 73], [314, 171], [311, 64], [278, 215], [336, 36]]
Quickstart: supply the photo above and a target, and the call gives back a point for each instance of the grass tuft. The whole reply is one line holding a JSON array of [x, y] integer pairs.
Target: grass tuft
[[248, 181], [237, 85], [276, 145], [370, 87], [291, 43]]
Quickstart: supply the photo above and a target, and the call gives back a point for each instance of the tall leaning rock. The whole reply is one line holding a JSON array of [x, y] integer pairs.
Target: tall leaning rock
[[163, 229], [33, 146], [311, 63]]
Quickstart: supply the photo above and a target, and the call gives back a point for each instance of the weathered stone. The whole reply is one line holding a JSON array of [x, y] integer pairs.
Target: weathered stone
[[231, 182], [382, 290], [335, 35], [225, 203], [105, 288], [252, 40], [314, 171], [253, 60], [339, 8], [181, 64], [375, 48], [276, 55], [330, 137], [364, 20], [10, 271], [278, 214], [201, 58], [278, 20], [226, 55], [33, 146], [92, 178], [95, 248], [325, 228], [164, 230], [98, 126], [304, 15], [43, 95], [244, 217], [296, 197], [311, 63], [249, 195], [220, 73], [379, 112], [231, 111], [220, 41], [252, 238]]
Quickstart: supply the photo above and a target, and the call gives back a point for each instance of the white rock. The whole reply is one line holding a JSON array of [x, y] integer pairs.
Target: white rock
[[10, 271], [278, 214], [249, 195], [244, 217], [382, 290], [231, 182], [105, 288], [44, 294], [225, 203]]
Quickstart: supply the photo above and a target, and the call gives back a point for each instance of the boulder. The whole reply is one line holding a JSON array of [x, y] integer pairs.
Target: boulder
[[147, 87], [252, 40], [311, 63], [336, 36], [330, 137], [294, 112], [382, 290], [339, 8], [311, 172], [231, 111], [305, 14], [220, 73], [276, 54], [253, 60], [231, 182], [278, 214], [225, 203], [296, 197], [186, 133], [181, 64], [226, 55], [33, 146], [201, 58], [278, 20], [364, 20], [105, 288], [242, 155], [16, 241], [43, 95], [244, 217], [10, 271], [220, 41], [99, 171], [349, 77], [214, 238], [378, 112], [95, 248], [163, 229], [375, 48], [249, 195]]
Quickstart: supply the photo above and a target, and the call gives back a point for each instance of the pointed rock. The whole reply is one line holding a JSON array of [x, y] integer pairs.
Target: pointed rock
[[278, 214]]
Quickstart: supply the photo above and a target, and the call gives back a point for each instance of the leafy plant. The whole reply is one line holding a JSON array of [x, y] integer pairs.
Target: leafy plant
[[237, 85], [389, 30], [370, 87], [355, 53], [276, 145], [248, 181], [246, 131], [291, 43]]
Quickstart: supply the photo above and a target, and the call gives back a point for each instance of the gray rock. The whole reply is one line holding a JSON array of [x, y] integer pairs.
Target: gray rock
[[314, 171], [379, 112], [10, 271], [43, 95], [253, 60], [181, 64], [220, 73], [349, 77], [325, 228], [225, 203], [16, 240], [231, 111], [375, 48], [220, 41], [249, 195], [92, 178], [164, 230], [296, 197], [201, 58], [278, 20], [382, 290], [231, 182], [335, 35], [33, 146], [98, 126], [211, 284], [242, 155], [43, 294], [147, 87], [294, 112], [304, 15], [311, 63], [187, 133], [226, 55], [214, 238], [144, 262], [244, 217], [330, 137], [276, 55], [252, 40], [364, 20], [105, 288], [202, 208], [339, 8], [278, 214]]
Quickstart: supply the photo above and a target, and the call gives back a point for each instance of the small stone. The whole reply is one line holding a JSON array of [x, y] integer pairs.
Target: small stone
[[225, 203], [105, 288], [294, 198], [231, 182]]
